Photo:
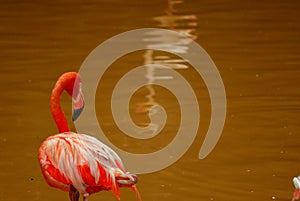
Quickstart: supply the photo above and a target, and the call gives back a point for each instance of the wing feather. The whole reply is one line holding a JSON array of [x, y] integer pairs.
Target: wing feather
[[82, 160]]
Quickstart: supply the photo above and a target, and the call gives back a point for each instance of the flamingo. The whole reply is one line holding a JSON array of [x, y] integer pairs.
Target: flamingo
[[79, 163], [296, 181]]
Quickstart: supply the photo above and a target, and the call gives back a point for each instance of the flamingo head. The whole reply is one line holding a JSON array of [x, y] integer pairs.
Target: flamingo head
[[78, 104], [74, 89]]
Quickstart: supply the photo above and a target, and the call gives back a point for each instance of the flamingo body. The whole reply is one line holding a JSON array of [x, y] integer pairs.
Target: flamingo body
[[79, 163], [296, 195]]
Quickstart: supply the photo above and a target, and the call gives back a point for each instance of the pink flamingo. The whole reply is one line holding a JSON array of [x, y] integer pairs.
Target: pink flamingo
[[296, 195], [78, 163]]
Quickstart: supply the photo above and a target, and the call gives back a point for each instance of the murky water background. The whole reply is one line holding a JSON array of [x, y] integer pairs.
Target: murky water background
[[255, 46]]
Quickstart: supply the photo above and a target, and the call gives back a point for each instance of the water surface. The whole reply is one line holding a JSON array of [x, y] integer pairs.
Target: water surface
[[255, 46]]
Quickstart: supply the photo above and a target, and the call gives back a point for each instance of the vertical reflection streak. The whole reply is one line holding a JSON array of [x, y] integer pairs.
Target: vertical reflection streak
[[174, 19]]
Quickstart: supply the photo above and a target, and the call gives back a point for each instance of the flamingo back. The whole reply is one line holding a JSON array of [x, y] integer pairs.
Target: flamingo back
[[80, 160]]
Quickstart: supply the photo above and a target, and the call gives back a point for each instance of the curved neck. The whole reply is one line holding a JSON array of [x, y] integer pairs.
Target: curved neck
[[57, 113]]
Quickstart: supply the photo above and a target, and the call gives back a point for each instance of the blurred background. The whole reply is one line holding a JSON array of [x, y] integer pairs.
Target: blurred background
[[254, 44]]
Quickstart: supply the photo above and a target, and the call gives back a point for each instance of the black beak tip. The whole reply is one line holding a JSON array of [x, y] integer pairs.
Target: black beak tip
[[76, 113]]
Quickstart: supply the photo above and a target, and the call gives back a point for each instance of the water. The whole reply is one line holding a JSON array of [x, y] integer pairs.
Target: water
[[255, 46]]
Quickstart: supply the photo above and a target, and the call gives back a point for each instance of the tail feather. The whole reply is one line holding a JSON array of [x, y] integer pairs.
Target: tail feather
[[137, 194]]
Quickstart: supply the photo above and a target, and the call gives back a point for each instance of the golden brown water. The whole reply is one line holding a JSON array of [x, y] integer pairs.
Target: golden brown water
[[255, 46]]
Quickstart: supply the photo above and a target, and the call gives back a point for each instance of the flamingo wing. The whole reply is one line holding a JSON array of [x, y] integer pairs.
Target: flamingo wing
[[80, 160]]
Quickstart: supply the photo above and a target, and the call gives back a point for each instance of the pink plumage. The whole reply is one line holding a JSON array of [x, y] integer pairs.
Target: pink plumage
[[79, 163]]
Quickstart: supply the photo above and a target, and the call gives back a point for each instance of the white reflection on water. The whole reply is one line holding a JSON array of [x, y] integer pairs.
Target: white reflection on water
[[176, 20]]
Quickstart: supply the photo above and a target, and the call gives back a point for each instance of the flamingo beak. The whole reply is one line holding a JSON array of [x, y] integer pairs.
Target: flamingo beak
[[78, 105]]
